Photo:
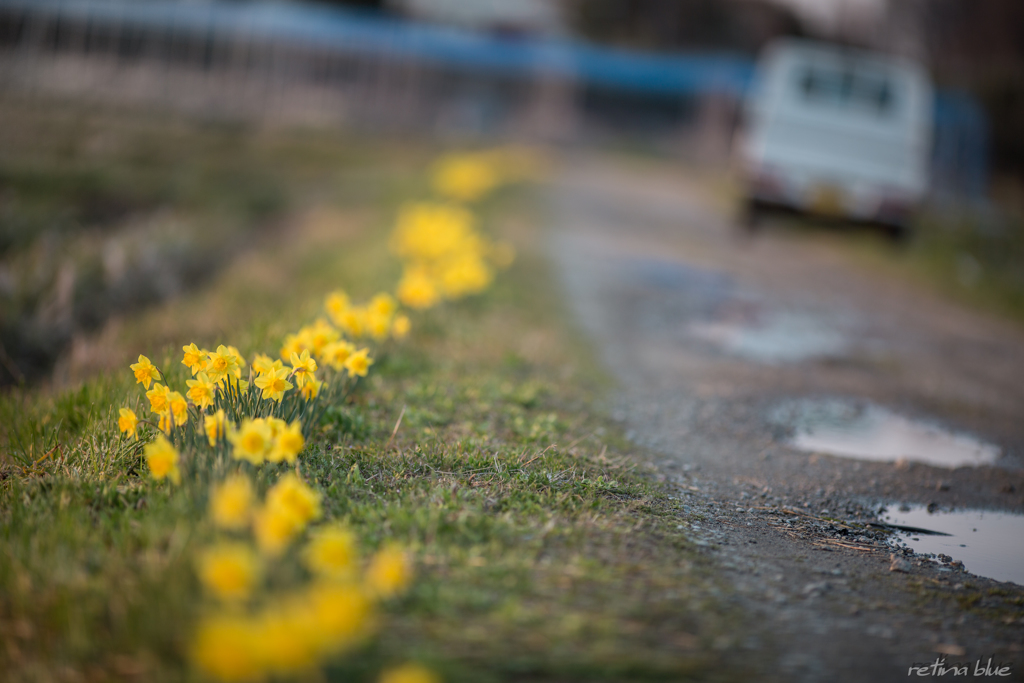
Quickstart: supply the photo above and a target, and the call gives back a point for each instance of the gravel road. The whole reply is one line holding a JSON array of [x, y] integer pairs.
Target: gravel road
[[722, 344]]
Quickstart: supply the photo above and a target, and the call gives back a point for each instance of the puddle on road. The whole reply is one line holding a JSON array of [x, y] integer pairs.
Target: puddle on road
[[781, 337], [988, 543], [868, 432], [707, 305], [680, 277]]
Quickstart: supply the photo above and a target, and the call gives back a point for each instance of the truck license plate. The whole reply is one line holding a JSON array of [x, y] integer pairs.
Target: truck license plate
[[826, 200]]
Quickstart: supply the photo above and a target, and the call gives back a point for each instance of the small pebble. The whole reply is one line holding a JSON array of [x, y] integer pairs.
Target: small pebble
[[898, 564]]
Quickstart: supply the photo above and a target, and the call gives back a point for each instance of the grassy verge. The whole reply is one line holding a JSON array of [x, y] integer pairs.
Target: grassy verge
[[106, 213], [973, 258], [542, 553], [968, 258], [976, 260]]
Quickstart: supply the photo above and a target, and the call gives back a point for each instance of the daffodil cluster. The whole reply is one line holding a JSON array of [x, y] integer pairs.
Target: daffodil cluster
[[444, 255], [237, 415], [468, 176], [324, 342], [378, 319], [255, 412], [250, 632]]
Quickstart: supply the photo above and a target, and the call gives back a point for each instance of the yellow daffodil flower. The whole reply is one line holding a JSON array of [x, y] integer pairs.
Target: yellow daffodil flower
[[226, 648], [229, 571], [337, 352], [466, 274], [263, 364], [417, 289], [251, 441], [274, 384], [353, 321], [390, 571], [201, 390], [378, 325], [358, 364], [383, 304], [465, 177], [178, 406], [293, 343], [274, 528], [288, 443], [303, 367], [231, 503], [336, 304], [311, 389], [319, 335], [162, 459], [409, 673], [194, 359], [145, 371], [276, 424], [215, 426], [285, 635], [426, 231], [331, 552], [400, 327], [158, 399], [342, 613], [221, 364], [292, 494], [239, 361], [127, 422]]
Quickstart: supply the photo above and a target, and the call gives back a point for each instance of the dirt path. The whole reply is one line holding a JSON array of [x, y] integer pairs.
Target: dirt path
[[713, 337]]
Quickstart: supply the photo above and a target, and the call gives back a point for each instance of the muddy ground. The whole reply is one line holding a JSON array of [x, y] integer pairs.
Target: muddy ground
[[662, 281]]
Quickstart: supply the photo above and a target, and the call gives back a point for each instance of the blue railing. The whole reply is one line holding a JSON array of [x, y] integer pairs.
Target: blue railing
[[960, 146], [960, 153], [340, 29]]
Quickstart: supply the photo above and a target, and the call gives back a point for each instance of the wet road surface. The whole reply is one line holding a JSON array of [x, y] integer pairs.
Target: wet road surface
[[743, 363]]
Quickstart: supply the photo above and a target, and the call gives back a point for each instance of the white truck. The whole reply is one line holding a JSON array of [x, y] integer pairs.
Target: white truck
[[836, 132]]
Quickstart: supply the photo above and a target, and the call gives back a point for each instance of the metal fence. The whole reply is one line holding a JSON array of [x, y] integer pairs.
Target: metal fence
[[310, 63]]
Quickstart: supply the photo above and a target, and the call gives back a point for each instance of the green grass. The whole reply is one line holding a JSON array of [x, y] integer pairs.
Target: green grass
[[542, 551], [103, 213], [964, 257], [975, 260]]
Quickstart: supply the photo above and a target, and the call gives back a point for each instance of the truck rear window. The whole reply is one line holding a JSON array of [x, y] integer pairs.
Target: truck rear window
[[846, 88]]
